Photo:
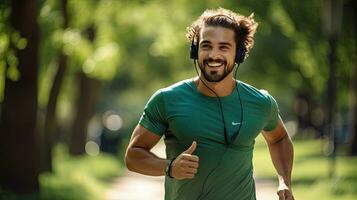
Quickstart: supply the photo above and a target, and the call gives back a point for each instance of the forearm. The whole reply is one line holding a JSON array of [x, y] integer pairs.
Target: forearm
[[282, 154], [143, 161]]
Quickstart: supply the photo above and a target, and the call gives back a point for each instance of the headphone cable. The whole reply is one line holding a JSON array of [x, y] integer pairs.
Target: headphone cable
[[224, 124], [220, 104]]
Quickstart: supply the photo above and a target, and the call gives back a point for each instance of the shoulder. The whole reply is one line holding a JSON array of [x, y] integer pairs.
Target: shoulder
[[183, 86], [251, 90], [172, 90], [260, 95]]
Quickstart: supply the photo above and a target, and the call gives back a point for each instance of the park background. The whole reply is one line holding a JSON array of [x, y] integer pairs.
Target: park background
[[75, 76]]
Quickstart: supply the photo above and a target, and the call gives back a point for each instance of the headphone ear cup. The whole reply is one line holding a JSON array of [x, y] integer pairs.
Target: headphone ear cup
[[240, 55], [194, 51]]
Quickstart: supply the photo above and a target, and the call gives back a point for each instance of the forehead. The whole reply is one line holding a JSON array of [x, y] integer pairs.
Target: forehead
[[217, 34]]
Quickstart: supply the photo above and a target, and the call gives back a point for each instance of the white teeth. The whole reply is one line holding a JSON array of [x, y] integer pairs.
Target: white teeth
[[214, 64]]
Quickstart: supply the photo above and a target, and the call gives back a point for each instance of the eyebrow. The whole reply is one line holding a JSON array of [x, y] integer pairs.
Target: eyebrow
[[221, 43]]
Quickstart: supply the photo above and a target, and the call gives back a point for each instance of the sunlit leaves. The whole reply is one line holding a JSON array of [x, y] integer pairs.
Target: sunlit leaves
[[21, 43], [82, 13], [8, 53], [103, 62], [10, 43], [4, 43], [301, 55], [76, 46], [279, 16]]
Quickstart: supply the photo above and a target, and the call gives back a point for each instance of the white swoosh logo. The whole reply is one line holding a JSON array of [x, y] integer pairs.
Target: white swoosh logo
[[235, 123]]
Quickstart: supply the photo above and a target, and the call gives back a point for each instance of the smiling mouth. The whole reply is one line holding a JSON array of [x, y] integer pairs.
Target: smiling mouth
[[214, 64]]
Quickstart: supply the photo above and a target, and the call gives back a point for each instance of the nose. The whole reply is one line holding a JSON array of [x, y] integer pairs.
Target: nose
[[214, 54]]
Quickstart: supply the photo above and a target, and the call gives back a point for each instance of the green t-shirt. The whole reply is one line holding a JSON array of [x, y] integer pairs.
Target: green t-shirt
[[182, 114]]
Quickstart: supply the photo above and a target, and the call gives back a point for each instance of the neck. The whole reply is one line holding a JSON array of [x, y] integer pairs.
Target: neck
[[222, 88]]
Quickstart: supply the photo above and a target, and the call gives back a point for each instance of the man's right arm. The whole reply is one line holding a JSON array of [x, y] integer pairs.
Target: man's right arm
[[139, 158]]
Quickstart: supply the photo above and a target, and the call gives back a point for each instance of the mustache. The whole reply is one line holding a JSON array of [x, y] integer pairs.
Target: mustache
[[214, 60]]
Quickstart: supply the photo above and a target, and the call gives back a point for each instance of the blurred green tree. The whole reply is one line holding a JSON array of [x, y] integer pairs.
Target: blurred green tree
[[50, 124], [89, 91]]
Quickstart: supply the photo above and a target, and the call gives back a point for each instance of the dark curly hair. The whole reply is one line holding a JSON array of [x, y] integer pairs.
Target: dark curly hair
[[244, 27]]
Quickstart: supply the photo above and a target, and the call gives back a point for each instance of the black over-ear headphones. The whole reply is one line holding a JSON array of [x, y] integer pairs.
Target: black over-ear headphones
[[240, 51]]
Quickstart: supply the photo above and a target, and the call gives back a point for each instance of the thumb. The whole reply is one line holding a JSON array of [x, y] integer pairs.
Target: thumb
[[281, 195], [192, 148]]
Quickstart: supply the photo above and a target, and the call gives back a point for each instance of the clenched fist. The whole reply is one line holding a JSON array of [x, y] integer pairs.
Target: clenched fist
[[185, 165], [284, 192]]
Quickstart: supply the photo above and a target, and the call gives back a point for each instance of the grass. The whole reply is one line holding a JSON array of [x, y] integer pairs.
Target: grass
[[82, 177], [310, 177]]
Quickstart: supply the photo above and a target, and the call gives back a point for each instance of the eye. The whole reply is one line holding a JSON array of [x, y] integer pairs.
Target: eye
[[205, 46], [224, 48]]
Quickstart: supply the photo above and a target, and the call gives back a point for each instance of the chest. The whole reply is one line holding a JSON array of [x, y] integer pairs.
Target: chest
[[203, 120]]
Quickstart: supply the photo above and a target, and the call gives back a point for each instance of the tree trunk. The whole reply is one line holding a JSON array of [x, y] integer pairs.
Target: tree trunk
[[19, 168], [50, 131], [89, 90], [351, 14], [353, 150]]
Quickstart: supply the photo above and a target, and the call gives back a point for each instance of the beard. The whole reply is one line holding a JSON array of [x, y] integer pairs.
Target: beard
[[215, 76]]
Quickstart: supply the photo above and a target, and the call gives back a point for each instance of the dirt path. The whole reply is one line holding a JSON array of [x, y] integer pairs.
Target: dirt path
[[133, 186]]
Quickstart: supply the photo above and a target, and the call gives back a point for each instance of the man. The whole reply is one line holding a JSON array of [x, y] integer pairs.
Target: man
[[210, 122]]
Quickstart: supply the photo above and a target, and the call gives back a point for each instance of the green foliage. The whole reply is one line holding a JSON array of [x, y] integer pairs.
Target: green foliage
[[10, 42], [310, 172], [83, 177], [140, 46]]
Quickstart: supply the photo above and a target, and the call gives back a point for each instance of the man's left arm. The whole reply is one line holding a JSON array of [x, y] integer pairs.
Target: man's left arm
[[282, 154]]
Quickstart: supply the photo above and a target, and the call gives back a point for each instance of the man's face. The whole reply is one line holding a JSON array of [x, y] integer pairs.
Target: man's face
[[216, 54]]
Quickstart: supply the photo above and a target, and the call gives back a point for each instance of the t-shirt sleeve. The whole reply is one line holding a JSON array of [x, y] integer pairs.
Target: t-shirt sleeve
[[273, 118], [154, 115]]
